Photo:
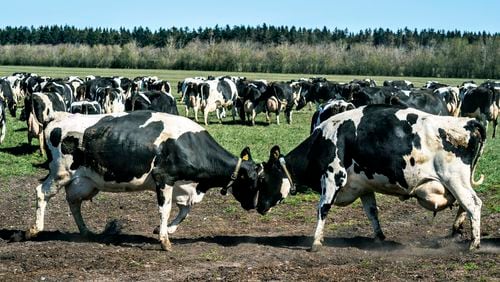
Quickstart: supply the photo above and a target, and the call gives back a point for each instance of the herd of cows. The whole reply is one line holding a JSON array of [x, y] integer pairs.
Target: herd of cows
[[395, 139]]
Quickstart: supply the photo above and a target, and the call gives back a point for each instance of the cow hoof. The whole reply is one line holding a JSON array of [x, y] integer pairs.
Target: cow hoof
[[456, 232], [379, 237], [31, 233], [166, 245], [474, 245], [314, 248]]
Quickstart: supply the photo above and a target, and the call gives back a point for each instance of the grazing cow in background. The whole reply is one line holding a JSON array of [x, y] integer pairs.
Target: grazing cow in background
[[449, 95], [367, 82], [253, 101], [288, 94], [8, 96], [421, 99], [383, 149], [434, 85], [218, 95], [465, 87], [86, 108], [158, 101], [481, 103], [3, 121], [39, 108], [92, 153], [329, 109], [192, 97], [399, 84], [63, 89]]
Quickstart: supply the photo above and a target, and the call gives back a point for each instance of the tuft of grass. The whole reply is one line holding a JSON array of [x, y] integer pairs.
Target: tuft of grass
[[212, 255], [470, 266]]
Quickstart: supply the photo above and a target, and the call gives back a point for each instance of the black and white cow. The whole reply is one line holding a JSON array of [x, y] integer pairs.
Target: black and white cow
[[3, 121], [158, 101], [383, 149], [92, 153], [449, 95], [39, 108], [8, 96], [481, 103], [399, 84], [218, 95], [86, 108], [329, 109]]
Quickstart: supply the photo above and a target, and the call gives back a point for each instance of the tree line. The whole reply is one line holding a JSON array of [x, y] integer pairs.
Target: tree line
[[429, 53], [265, 34]]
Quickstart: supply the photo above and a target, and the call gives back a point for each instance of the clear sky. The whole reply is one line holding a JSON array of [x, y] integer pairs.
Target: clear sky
[[354, 15]]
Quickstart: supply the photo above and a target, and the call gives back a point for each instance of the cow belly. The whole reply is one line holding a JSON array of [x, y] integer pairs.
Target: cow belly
[[145, 182], [359, 184]]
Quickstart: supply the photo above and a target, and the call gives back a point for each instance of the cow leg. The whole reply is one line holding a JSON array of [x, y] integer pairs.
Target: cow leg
[[459, 222], [77, 191], [495, 122], [331, 182], [44, 192], [371, 210], [253, 117], [2, 133], [41, 142], [183, 212], [164, 197], [288, 115], [187, 111], [205, 115], [471, 203]]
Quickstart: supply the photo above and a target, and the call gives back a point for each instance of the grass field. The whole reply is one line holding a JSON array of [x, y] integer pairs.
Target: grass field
[[19, 159]]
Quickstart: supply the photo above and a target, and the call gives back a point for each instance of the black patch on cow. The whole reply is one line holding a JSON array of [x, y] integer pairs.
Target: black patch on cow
[[69, 146], [184, 158], [339, 178], [382, 142], [55, 136], [412, 118], [324, 210], [346, 136], [120, 148], [412, 161]]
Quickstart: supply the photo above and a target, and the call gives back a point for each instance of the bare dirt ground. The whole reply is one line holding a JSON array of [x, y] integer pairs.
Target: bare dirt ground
[[220, 241]]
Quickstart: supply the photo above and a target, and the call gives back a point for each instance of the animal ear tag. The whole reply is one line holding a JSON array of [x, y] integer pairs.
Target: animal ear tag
[[245, 157]]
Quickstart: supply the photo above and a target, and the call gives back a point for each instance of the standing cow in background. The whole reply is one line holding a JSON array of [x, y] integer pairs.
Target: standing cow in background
[[383, 149], [481, 103]]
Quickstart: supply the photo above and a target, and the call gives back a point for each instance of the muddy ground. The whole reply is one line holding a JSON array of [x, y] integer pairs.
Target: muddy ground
[[220, 241]]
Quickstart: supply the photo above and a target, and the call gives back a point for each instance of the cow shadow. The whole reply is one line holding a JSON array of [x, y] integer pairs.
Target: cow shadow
[[103, 238], [298, 242], [23, 149]]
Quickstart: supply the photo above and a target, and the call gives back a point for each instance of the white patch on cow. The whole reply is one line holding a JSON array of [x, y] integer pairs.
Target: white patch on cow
[[145, 97], [177, 125]]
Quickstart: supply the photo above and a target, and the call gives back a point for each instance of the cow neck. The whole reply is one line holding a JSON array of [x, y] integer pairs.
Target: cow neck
[[219, 171], [298, 164]]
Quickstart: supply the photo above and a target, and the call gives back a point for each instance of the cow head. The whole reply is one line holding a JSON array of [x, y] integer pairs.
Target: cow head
[[244, 181], [274, 181]]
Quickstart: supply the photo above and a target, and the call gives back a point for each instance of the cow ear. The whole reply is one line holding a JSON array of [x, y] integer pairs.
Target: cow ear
[[245, 154], [275, 153]]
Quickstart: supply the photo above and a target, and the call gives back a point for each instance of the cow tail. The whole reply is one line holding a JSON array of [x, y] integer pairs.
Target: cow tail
[[478, 133]]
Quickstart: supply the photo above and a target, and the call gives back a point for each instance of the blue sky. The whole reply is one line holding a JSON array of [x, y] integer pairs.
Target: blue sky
[[354, 15]]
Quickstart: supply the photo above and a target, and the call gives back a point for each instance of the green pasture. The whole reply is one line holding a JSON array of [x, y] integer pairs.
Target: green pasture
[[19, 159]]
